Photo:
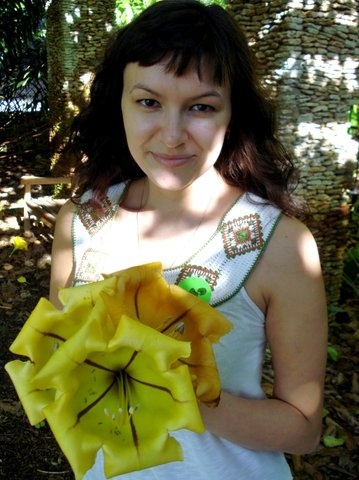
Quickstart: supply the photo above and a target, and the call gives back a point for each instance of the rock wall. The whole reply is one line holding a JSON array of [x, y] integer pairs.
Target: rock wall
[[307, 51]]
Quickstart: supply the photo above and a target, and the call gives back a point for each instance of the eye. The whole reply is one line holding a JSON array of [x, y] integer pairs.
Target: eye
[[148, 103], [202, 108]]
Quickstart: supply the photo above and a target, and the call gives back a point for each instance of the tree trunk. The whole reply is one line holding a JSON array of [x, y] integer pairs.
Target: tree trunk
[[77, 31]]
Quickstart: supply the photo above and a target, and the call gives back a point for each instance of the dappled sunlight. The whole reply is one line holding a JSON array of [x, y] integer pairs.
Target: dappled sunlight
[[86, 80], [11, 207], [332, 136], [309, 255], [321, 70], [347, 20]]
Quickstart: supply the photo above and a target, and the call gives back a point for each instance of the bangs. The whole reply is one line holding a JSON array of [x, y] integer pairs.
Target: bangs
[[178, 63]]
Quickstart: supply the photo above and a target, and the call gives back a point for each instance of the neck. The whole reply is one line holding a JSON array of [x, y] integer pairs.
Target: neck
[[187, 200]]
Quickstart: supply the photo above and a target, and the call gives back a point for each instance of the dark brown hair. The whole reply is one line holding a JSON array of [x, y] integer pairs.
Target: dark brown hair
[[183, 33]]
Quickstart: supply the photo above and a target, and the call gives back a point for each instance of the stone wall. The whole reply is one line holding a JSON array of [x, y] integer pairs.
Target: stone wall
[[308, 51]]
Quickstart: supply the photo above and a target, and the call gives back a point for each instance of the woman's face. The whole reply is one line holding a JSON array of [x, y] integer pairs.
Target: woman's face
[[175, 126]]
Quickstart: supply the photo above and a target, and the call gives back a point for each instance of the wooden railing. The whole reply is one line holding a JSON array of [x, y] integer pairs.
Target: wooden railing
[[45, 208]]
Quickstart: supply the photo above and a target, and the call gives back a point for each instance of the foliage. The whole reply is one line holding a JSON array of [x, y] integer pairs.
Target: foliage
[[333, 353], [126, 10], [350, 279], [353, 119], [351, 258], [22, 55]]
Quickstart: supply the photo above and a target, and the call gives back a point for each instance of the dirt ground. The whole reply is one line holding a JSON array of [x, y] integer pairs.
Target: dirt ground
[[27, 452]]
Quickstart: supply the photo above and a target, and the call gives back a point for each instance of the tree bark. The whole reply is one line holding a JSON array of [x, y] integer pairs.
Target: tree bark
[[77, 31]]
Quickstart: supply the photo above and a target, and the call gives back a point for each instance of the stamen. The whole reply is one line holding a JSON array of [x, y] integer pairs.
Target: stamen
[[179, 328]]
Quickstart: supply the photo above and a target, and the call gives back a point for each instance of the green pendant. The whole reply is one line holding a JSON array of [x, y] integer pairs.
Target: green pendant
[[198, 287]]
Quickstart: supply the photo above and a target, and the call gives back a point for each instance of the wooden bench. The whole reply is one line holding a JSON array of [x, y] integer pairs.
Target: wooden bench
[[45, 208]]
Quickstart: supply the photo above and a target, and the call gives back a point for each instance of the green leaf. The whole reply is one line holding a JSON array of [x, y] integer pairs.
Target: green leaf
[[333, 353], [325, 412], [330, 441], [334, 309]]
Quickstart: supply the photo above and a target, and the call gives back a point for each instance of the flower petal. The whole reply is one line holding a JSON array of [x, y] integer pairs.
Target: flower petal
[[42, 334], [114, 396], [92, 336], [85, 296], [33, 400], [143, 291], [39, 338]]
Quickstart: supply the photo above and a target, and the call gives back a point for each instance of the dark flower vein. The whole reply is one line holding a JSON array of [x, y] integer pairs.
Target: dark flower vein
[[176, 320], [116, 374]]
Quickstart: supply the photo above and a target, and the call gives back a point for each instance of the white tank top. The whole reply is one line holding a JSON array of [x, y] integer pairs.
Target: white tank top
[[225, 262]]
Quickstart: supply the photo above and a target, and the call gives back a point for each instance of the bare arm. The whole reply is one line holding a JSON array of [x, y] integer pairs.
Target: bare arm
[[288, 284], [62, 255]]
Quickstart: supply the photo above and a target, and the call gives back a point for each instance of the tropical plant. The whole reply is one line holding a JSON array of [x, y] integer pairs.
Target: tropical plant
[[350, 285], [127, 9], [22, 55]]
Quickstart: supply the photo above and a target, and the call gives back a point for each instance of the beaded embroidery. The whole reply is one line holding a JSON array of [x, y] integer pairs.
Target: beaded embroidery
[[93, 216], [210, 276], [91, 265], [242, 235]]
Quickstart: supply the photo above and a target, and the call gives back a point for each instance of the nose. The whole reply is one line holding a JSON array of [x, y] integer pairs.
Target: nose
[[173, 129]]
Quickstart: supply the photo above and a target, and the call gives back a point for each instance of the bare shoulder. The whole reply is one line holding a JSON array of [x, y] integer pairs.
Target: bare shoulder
[[66, 211], [292, 246], [64, 218], [290, 261]]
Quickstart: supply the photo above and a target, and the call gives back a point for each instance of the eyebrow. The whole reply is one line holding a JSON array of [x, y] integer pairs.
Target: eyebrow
[[208, 93]]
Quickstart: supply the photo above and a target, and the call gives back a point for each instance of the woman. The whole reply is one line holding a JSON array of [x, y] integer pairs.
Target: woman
[[178, 162]]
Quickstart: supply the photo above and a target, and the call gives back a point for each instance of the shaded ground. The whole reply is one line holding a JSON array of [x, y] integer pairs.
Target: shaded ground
[[32, 453]]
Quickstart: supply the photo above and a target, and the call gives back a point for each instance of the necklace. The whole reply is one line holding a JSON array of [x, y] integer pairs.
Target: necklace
[[192, 234]]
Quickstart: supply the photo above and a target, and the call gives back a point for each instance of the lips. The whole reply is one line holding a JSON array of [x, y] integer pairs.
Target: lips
[[172, 161]]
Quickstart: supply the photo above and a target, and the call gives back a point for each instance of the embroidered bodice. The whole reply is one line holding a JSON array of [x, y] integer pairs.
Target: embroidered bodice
[[224, 262]]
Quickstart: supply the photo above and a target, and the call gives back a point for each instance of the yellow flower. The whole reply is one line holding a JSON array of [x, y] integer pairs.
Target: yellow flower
[[44, 331], [144, 293], [100, 376], [19, 243], [112, 394]]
